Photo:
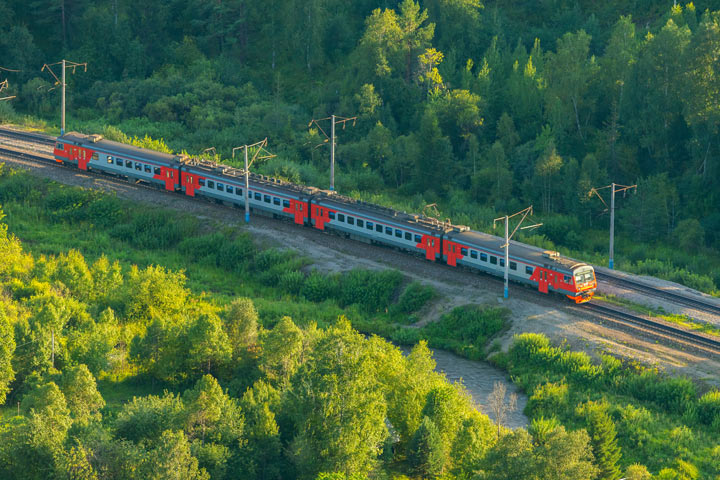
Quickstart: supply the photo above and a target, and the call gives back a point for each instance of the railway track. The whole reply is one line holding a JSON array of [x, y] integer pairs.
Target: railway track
[[38, 138], [629, 320], [685, 336], [680, 299]]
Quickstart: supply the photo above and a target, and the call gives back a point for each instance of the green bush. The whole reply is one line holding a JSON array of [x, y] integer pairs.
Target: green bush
[[548, 399], [709, 407], [466, 330], [154, 230], [415, 296], [292, 282], [319, 287], [371, 289]]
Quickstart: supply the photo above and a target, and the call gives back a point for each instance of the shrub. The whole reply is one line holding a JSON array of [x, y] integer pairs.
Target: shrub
[[466, 329], [415, 296], [292, 282], [154, 230], [548, 398], [709, 407], [319, 287], [372, 289]]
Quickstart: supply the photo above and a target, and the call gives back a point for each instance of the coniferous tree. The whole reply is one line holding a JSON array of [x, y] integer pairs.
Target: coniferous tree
[[426, 452]]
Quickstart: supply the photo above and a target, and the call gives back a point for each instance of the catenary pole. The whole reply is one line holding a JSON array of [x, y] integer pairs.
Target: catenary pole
[[614, 188], [247, 188], [334, 120], [611, 261], [507, 255], [64, 64], [332, 154], [62, 102], [508, 236]]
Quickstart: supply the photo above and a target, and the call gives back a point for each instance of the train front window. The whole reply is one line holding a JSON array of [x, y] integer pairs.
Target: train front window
[[584, 275]]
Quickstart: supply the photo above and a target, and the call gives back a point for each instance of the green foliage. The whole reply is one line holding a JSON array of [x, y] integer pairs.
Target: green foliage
[[83, 399], [146, 418], [413, 298], [602, 436], [7, 350], [372, 290], [466, 330], [426, 453]]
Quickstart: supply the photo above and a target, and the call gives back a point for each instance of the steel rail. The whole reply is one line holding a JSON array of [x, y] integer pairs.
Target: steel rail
[[687, 336], [678, 298], [27, 136]]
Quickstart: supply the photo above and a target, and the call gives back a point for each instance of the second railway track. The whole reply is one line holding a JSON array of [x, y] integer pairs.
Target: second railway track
[[677, 298]]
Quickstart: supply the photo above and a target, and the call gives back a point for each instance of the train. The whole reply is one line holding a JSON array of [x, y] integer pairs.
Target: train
[[439, 241]]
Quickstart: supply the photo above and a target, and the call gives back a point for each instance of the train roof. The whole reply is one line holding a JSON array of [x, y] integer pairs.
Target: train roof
[[118, 148], [208, 167], [331, 197], [517, 249]]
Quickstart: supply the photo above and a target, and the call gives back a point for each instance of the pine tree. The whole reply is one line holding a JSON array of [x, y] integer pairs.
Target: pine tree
[[605, 447], [426, 453]]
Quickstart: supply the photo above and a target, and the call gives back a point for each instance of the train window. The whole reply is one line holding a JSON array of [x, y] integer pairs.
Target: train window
[[238, 192], [360, 223], [128, 164], [258, 197], [351, 220], [94, 156], [276, 201], [60, 146], [341, 217], [378, 228], [567, 279], [286, 203], [513, 266], [267, 199], [201, 182], [221, 187], [211, 184], [148, 169], [493, 260], [370, 226], [418, 239], [502, 262], [473, 254], [230, 189], [157, 170], [483, 257], [408, 236], [388, 231], [398, 233], [528, 271], [110, 159], [331, 215], [119, 161], [463, 251], [138, 166]]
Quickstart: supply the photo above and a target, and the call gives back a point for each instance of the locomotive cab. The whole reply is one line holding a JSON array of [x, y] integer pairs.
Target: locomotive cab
[[585, 283]]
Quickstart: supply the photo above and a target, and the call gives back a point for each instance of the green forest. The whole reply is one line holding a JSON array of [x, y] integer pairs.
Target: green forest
[[156, 346], [151, 346], [517, 104]]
